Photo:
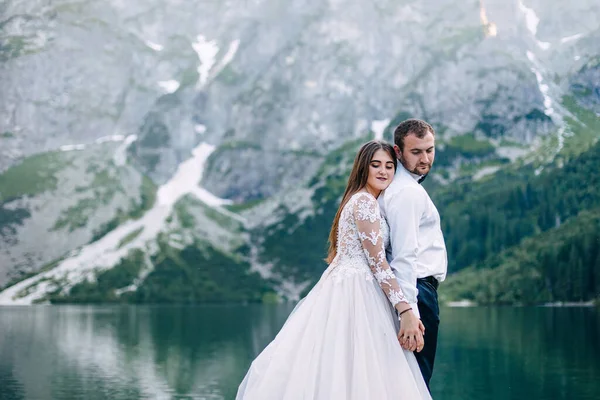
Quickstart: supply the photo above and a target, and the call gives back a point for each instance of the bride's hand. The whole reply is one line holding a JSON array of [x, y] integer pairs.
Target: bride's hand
[[411, 332]]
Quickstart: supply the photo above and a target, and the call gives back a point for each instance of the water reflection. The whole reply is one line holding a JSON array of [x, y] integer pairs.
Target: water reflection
[[518, 353], [130, 352], [146, 352]]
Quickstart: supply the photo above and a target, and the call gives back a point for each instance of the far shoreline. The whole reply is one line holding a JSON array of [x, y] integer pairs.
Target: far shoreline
[[469, 303]]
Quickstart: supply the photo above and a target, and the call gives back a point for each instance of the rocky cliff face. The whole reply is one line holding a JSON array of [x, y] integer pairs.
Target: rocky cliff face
[[276, 83], [275, 88]]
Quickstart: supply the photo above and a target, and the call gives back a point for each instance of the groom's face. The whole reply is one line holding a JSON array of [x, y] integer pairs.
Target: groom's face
[[418, 153]]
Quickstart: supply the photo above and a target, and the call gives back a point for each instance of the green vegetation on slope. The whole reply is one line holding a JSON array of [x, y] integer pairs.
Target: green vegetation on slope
[[103, 289], [484, 218], [562, 264], [200, 274], [147, 199], [584, 125], [34, 175], [194, 274], [464, 146]]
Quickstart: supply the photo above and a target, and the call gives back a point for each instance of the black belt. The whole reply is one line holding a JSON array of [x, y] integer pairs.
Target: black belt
[[431, 280]]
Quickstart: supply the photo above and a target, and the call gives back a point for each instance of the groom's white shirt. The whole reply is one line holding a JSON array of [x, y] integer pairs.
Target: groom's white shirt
[[417, 248]]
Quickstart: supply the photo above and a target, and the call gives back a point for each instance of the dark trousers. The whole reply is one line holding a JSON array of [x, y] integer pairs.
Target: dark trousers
[[430, 316]]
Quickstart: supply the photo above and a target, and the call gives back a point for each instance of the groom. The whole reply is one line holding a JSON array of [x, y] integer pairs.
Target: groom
[[417, 252]]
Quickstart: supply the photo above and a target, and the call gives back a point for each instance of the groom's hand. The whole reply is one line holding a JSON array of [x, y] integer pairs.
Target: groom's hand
[[422, 327], [411, 333], [413, 342]]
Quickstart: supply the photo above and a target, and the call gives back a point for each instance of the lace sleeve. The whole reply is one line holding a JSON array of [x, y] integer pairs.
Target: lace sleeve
[[367, 219]]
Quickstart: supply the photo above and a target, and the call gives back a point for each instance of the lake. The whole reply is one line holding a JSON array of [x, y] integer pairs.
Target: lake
[[202, 352]]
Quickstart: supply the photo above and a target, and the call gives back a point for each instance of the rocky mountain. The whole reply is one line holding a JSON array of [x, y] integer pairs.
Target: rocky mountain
[[195, 151]]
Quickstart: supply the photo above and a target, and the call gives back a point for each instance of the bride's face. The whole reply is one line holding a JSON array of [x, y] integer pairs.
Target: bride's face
[[381, 172]]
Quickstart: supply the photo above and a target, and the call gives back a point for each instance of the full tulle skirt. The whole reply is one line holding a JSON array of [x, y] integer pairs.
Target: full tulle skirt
[[339, 343]]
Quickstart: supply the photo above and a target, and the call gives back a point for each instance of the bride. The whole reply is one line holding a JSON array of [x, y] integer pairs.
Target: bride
[[340, 342]]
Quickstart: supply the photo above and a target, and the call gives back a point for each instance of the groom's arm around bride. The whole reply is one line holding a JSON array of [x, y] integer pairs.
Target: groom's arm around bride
[[417, 252]]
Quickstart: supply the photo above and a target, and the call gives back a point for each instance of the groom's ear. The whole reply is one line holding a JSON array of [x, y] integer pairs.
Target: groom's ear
[[398, 152]]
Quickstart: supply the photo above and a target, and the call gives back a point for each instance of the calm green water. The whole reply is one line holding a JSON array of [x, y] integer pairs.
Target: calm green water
[[141, 352]]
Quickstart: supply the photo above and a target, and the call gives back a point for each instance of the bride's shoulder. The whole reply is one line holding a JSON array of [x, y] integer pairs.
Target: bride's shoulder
[[364, 206], [363, 196], [364, 199]]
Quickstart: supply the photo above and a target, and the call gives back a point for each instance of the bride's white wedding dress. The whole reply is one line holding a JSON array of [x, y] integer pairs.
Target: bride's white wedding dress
[[340, 341]]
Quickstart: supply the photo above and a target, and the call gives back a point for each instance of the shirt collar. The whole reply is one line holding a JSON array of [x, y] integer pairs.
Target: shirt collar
[[414, 176]]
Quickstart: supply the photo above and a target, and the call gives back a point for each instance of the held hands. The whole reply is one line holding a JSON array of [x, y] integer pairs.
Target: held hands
[[411, 332]]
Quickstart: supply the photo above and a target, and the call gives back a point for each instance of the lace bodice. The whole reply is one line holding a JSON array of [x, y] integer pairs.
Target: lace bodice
[[362, 237]]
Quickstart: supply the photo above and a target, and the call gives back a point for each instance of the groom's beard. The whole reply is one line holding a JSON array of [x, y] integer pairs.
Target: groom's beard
[[415, 169], [422, 172]]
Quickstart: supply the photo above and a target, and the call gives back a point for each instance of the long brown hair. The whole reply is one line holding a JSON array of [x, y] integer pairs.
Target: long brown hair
[[356, 181]]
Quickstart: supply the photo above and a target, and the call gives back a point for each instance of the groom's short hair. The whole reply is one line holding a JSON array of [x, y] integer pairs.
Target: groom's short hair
[[411, 126]]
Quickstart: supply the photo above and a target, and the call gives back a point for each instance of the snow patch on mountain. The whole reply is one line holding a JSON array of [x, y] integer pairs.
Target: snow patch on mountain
[[154, 46], [532, 21], [169, 86], [378, 126]]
